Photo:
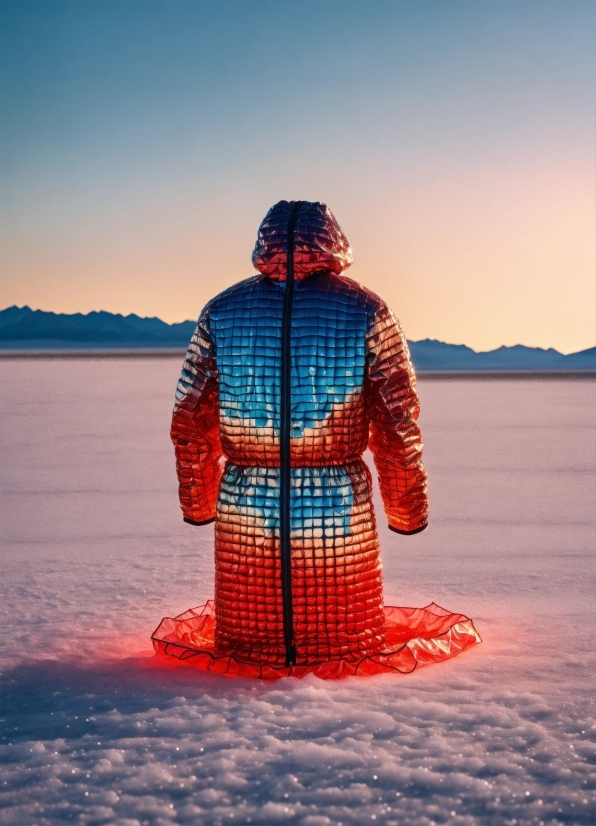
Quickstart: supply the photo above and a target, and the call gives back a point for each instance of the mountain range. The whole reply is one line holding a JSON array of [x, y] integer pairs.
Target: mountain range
[[24, 329]]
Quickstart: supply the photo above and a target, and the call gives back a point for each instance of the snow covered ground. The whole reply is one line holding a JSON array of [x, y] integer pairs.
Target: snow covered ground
[[97, 730]]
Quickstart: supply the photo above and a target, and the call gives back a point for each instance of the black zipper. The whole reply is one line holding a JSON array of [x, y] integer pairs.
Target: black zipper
[[284, 445]]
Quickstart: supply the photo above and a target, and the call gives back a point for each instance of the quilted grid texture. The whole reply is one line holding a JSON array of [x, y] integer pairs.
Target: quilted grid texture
[[319, 243], [336, 572], [351, 379]]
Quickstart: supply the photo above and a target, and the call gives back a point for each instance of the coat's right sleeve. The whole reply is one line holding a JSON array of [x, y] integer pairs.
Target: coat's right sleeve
[[395, 440], [195, 428]]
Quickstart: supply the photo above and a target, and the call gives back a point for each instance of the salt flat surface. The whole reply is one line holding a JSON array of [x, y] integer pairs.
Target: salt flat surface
[[96, 730]]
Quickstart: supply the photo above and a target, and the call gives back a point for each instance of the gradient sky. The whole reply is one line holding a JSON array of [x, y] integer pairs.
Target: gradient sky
[[143, 141]]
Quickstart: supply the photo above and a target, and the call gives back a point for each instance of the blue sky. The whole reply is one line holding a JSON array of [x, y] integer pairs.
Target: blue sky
[[142, 143]]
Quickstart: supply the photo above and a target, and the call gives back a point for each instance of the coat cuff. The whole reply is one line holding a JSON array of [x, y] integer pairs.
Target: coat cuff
[[194, 522], [408, 533]]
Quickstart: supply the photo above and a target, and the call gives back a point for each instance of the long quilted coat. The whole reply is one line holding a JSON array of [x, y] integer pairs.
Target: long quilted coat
[[290, 375]]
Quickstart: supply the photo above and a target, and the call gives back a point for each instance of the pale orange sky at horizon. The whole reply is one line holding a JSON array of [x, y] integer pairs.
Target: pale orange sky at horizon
[[467, 192]]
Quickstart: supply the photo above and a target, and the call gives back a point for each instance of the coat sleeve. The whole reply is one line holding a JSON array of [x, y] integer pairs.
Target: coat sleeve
[[395, 439], [195, 428]]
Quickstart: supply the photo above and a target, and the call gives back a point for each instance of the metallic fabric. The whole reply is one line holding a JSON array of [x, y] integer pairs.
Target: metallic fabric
[[352, 387], [319, 243]]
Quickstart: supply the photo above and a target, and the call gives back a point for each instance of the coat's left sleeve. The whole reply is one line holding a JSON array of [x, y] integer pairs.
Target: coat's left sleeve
[[195, 428], [395, 440]]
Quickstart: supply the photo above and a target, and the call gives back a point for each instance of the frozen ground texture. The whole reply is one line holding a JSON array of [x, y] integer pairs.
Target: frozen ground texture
[[95, 553]]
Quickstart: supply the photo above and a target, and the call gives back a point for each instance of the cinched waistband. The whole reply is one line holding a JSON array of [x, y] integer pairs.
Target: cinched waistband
[[262, 465]]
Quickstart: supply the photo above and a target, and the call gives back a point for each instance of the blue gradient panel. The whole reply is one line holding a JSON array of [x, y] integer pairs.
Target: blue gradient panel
[[321, 500], [328, 352]]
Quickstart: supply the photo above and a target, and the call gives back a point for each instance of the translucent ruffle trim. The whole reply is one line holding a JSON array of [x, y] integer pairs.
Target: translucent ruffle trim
[[414, 637]]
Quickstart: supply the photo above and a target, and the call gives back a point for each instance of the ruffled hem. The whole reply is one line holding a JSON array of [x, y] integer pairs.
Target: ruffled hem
[[414, 637]]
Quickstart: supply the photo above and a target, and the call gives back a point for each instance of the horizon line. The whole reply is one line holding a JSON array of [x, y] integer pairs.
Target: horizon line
[[193, 321]]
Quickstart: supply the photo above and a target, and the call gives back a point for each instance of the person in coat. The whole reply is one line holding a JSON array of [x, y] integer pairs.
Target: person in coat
[[289, 377]]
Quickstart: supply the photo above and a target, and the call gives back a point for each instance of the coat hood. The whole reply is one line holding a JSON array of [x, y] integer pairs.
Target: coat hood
[[319, 243]]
